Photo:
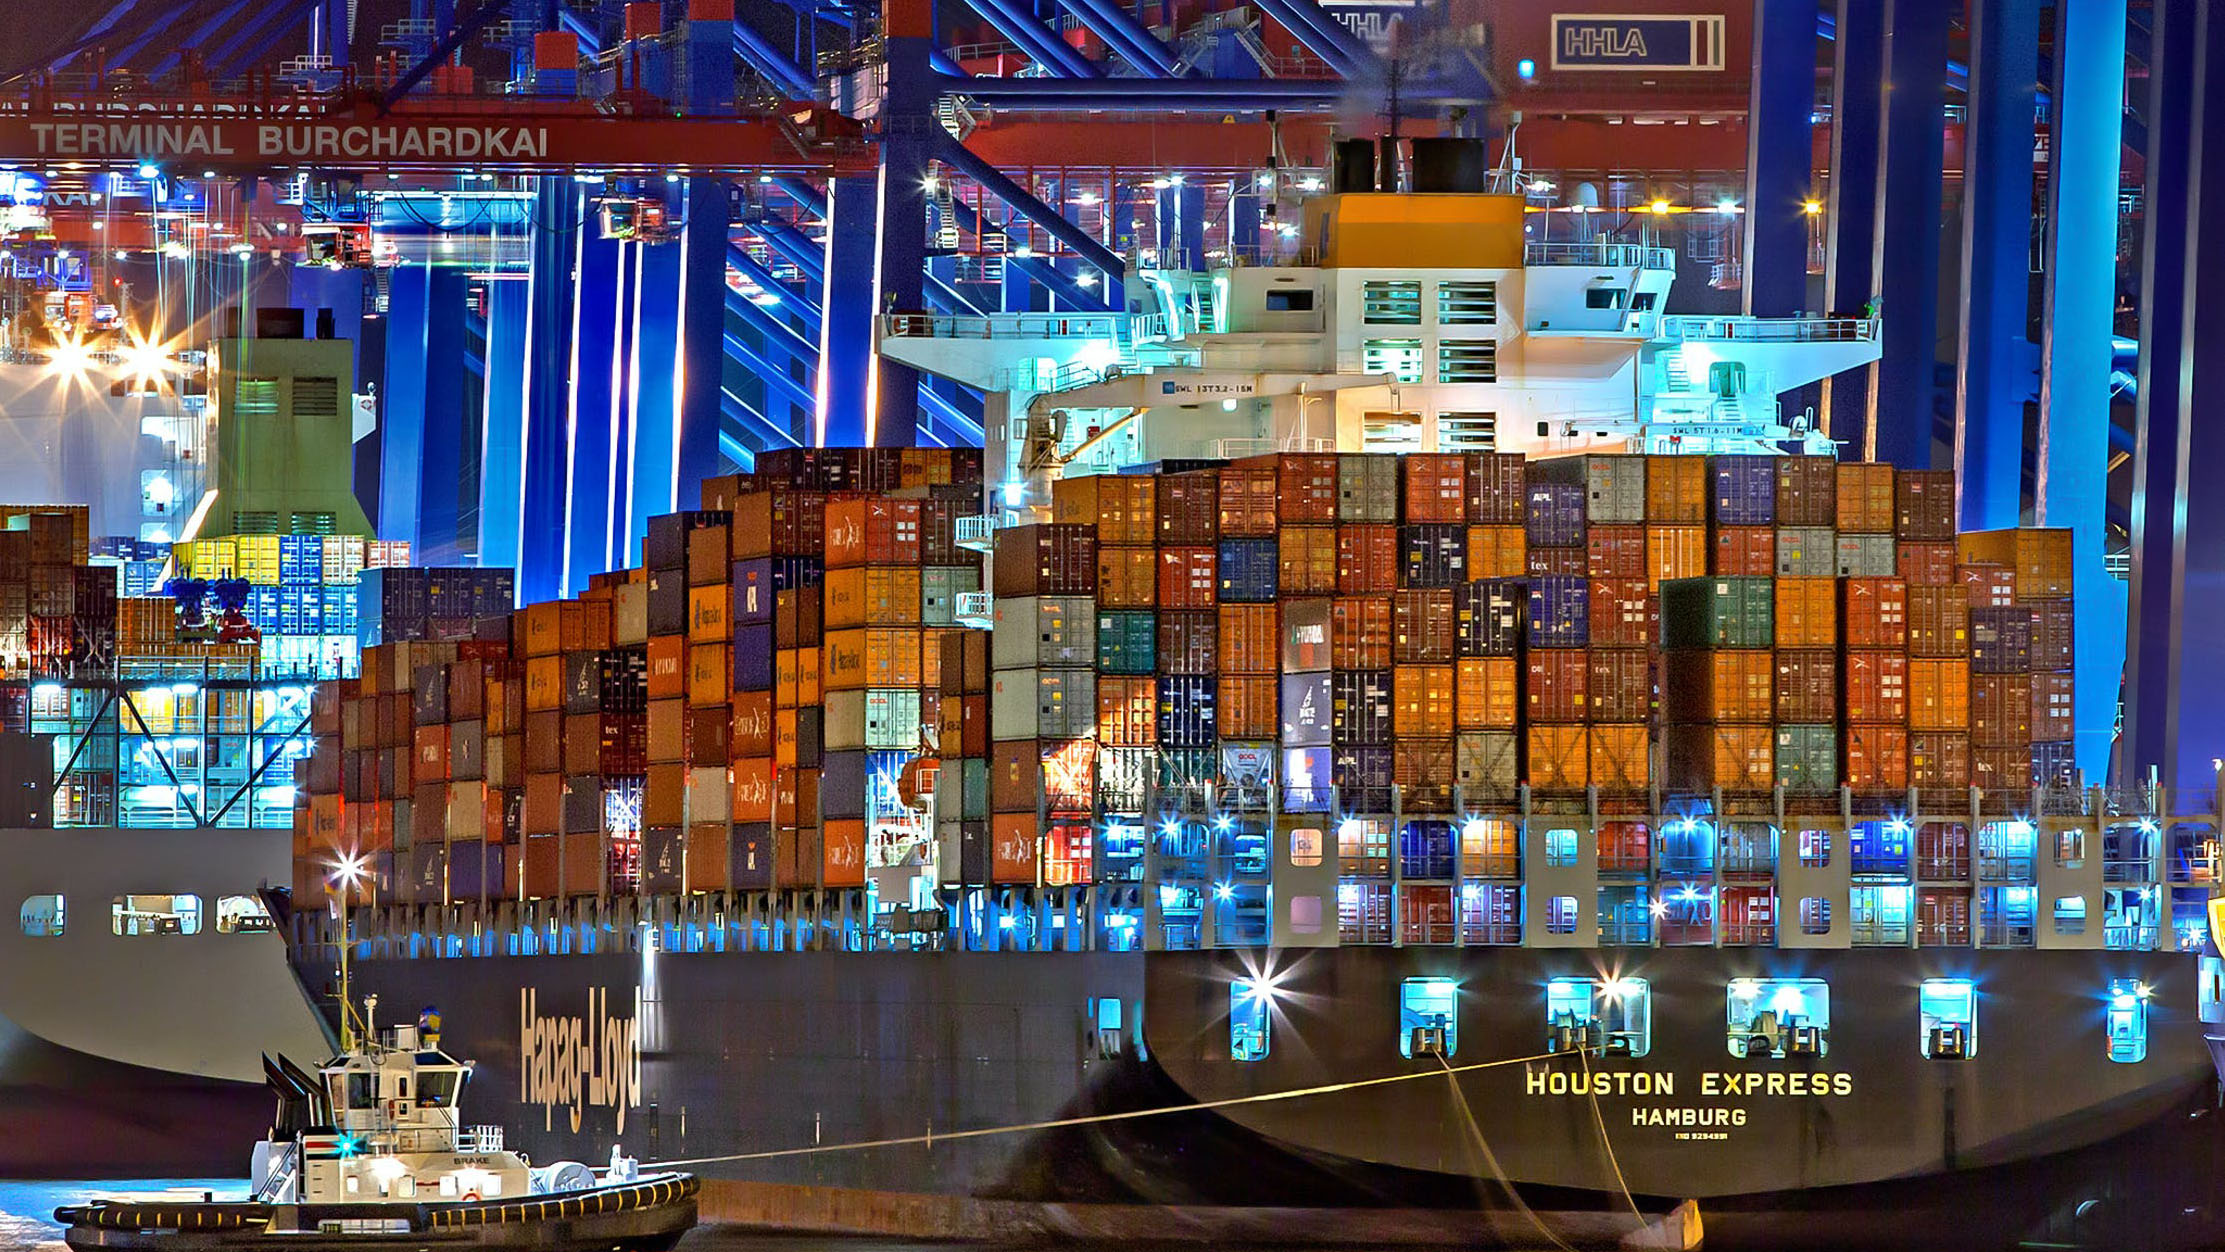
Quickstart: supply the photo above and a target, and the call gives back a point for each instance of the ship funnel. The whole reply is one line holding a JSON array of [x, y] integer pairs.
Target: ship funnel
[[1354, 168], [1449, 165]]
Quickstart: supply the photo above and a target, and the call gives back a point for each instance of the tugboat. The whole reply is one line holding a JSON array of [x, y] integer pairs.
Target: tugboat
[[371, 1153]]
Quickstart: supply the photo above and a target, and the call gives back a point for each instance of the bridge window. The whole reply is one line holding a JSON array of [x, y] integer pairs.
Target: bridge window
[[437, 1088], [1614, 1017], [42, 917], [1815, 915], [241, 915], [1947, 1010], [1391, 302], [1606, 297], [1248, 1017], [1468, 303], [1428, 1017], [1779, 1017], [2128, 1021], [155, 915], [1400, 358], [1299, 300], [1467, 361]]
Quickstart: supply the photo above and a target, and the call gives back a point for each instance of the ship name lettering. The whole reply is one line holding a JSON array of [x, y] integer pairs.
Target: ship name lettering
[[1688, 1116], [1776, 1084], [575, 1063], [1606, 1083]]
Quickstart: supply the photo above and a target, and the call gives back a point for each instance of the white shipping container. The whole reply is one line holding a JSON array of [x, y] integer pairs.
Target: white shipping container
[[1043, 704], [1034, 632], [892, 718], [1866, 556], [843, 728], [629, 614], [710, 794], [1808, 551]]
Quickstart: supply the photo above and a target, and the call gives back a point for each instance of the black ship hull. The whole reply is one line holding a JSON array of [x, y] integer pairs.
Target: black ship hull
[[766, 1071], [67, 1114]]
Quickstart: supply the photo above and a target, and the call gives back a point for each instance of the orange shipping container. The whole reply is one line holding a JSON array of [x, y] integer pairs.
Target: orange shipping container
[[1938, 695], [1246, 707], [1807, 612], [1490, 692], [1123, 507], [753, 789], [872, 658], [1250, 641], [1719, 685], [544, 683], [707, 685], [1620, 687], [1127, 712], [1424, 701], [1874, 612], [432, 755], [704, 857], [874, 596], [1734, 758], [2038, 558], [1422, 629], [1497, 552], [1559, 758], [1308, 559], [752, 733], [1877, 758], [1876, 685], [1865, 504], [1939, 760], [1676, 491], [1367, 558], [1359, 632], [668, 666], [787, 731], [1127, 578], [1674, 551], [1247, 503], [1925, 564], [707, 620], [1620, 756], [842, 857], [1186, 576], [1014, 848], [1436, 487], [1988, 586]]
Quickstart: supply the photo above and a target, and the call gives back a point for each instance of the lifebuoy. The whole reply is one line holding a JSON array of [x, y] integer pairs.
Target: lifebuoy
[[471, 1197]]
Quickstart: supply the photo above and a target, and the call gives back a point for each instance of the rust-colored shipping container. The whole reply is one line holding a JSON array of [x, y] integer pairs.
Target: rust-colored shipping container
[[1938, 621], [1127, 712], [1436, 487], [1676, 551], [1876, 757], [2037, 558], [752, 795], [1045, 560], [544, 684], [872, 531], [752, 725], [538, 879], [1127, 578], [782, 521], [583, 863], [1556, 683], [1735, 758], [1360, 632], [706, 857], [1498, 491], [2001, 768], [1924, 506], [1719, 685], [1189, 507], [1307, 560], [1807, 615], [1807, 685], [1864, 499], [1876, 685], [1615, 552], [1621, 756], [1187, 575], [2053, 632], [1421, 626], [1247, 499], [1744, 550], [1807, 491], [1938, 694], [1558, 758], [2051, 707], [1677, 492], [1987, 586], [1014, 848], [1547, 562], [1423, 771], [1251, 640], [1189, 641], [1496, 551], [1925, 564], [1620, 685], [1246, 708], [842, 853], [797, 852], [859, 596], [1424, 701], [1122, 507], [1622, 614], [1306, 487], [1367, 558], [1873, 612], [1490, 692], [2001, 710]]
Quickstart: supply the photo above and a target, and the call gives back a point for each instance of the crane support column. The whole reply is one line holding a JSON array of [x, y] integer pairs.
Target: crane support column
[[1778, 153], [1906, 256], [554, 237], [2152, 635], [421, 405], [501, 450], [1995, 378]]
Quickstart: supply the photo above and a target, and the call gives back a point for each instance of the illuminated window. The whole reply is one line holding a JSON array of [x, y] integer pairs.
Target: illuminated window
[[42, 916], [1948, 1013], [1489, 848], [1391, 302], [1815, 915], [1560, 849], [1614, 1017], [1467, 361], [2070, 849], [1778, 1017], [1307, 845], [155, 915], [1560, 915], [236, 915], [2128, 1021], [1815, 849], [1468, 303], [1400, 358], [2070, 915], [1248, 1019], [1428, 1017]]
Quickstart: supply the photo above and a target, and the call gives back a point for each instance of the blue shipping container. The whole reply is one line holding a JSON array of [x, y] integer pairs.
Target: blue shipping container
[[1187, 716], [1250, 569], [1432, 554], [753, 657], [1560, 611], [1363, 779], [1488, 616], [753, 591], [1425, 849], [1556, 515], [1744, 490]]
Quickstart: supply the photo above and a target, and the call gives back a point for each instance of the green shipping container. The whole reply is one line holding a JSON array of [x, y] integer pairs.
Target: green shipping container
[[1127, 642], [1719, 612], [1808, 758], [1181, 769], [939, 589]]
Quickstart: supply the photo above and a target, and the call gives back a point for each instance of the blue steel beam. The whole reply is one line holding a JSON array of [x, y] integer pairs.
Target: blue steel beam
[[1849, 279], [502, 423], [163, 22], [1778, 151], [254, 53], [799, 293], [849, 297], [1157, 95], [1906, 256], [1033, 38], [590, 39], [94, 34], [1322, 35], [600, 326], [770, 62], [779, 332], [558, 220], [1124, 35], [2076, 345], [214, 24], [791, 244], [464, 29], [1993, 383], [736, 408], [768, 373], [1957, 76], [654, 376], [949, 151], [1060, 284], [2152, 631]]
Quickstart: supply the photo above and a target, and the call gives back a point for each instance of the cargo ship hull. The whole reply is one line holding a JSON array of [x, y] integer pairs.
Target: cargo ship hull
[[765, 1071]]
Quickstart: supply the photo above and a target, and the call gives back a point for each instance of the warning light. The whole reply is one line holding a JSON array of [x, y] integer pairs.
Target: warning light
[[1525, 69]]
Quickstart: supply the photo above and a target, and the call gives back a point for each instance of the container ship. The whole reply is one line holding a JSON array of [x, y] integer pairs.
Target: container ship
[[1260, 797]]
